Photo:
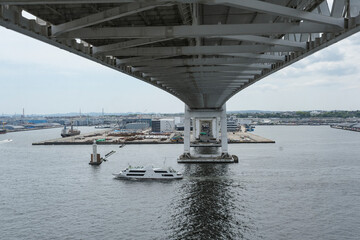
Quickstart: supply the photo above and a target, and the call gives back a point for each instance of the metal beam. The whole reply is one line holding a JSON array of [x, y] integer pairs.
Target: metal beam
[[205, 69], [196, 50], [189, 90], [204, 74], [190, 77], [131, 60], [127, 44], [207, 80], [107, 15], [258, 56], [202, 61], [205, 86], [203, 79], [266, 40], [251, 57], [278, 10], [177, 88], [193, 31], [211, 69], [171, 68]]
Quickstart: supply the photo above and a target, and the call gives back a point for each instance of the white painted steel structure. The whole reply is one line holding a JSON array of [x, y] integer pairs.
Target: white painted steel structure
[[201, 51]]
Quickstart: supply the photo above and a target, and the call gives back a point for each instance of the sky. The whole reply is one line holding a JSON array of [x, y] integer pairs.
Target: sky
[[44, 79]]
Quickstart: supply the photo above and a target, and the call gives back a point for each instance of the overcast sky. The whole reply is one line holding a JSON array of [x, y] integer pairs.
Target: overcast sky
[[44, 79]]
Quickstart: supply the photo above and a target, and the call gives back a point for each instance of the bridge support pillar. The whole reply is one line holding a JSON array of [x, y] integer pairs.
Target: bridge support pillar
[[214, 130], [207, 123], [224, 139], [187, 131], [196, 127]]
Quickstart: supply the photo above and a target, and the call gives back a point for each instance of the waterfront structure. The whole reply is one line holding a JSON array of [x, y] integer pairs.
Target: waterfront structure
[[167, 125], [137, 126], [95, 157], [126, 121], [163, 125], [155, 126], [202, 52], [14, 128], [232, 126], [347, 126]]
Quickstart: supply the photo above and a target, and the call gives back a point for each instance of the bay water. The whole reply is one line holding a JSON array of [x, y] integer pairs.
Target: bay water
[[305, 186]]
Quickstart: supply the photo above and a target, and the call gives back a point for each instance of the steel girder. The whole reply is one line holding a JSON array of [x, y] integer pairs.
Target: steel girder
[[201, 51]]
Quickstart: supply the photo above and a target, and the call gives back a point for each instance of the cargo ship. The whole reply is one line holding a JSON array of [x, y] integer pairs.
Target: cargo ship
[[69, 132]]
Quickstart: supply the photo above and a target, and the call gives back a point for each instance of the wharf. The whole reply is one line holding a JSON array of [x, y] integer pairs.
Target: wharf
[[106, 137]]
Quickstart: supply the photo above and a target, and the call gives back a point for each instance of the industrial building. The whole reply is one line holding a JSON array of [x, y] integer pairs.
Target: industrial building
[[163, 125], [126, 121], [137, 125], [232, 126], [13, 127]]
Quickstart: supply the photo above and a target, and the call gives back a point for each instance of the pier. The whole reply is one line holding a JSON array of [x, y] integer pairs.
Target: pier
[[106, 137]]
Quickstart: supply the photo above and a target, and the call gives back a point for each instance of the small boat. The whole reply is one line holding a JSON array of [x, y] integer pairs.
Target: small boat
[[122, 145], [2, 131], [148, 172], [103, 126], [6, 141]]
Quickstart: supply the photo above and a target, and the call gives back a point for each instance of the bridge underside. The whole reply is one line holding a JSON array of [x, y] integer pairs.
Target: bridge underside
[[201, 51]]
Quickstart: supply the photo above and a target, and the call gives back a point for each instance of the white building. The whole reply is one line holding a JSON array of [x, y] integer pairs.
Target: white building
[[167, 125]]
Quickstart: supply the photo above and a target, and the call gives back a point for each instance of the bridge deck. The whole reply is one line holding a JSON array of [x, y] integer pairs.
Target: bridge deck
[[202, 52]]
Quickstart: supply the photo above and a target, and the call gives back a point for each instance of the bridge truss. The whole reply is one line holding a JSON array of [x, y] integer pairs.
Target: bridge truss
[[201, 51]]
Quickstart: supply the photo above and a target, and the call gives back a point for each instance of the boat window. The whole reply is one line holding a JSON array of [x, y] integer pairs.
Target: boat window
[[138, 171], [135, 174], [167, 175], [160, 171]]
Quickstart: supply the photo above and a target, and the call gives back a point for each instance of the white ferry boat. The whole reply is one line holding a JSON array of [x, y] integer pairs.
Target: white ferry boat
[[148, 172]]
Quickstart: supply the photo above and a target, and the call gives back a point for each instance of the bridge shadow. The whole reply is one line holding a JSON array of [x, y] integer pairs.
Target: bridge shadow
[[206, 150], [212, 205]]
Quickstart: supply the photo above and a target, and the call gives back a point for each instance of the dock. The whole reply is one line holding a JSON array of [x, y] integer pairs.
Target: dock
[[108, 137]]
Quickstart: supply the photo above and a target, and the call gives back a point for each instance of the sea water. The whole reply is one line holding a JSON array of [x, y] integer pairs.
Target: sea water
[[305, 186]]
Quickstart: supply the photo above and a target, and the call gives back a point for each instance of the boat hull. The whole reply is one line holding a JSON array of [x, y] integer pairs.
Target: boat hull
[[148, 174], [119, 176], [70, 134]]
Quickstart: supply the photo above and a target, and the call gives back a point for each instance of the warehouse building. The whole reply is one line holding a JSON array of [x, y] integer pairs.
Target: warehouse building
[[163, 125]]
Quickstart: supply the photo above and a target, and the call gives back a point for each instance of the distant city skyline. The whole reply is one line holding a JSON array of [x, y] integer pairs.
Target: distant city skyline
[[45, 80], [96, 114]]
